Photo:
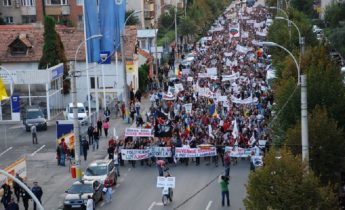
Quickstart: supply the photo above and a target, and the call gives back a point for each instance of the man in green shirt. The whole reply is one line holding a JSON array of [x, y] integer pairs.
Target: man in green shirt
[[224, 183]]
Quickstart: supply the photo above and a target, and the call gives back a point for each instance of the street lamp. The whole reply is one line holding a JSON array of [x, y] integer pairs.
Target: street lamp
[[281, 10], [75, 109], [300, 38], [87, 71], [302, 80]]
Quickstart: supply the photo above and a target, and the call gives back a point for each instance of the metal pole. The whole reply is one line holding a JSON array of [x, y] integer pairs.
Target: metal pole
[[21, 184], [176, 50], [156, 54], [75, 122], [95, 72], [304, 120], [103, 83], [125, 86]]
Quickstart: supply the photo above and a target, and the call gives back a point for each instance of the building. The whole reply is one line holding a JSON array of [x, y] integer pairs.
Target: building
[[31, 11], [21, 49]]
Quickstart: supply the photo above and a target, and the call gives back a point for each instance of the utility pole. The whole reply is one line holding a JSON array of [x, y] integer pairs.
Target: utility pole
[[125, 86], [176, 48], [75, 121], [304, 118]]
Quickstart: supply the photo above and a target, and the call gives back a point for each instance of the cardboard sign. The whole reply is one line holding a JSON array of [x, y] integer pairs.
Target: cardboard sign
[[188, 107], [165, 182], [181, 152], [138, 132]]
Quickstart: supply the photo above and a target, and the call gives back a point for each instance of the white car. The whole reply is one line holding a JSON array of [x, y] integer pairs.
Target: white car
[[82, 115]]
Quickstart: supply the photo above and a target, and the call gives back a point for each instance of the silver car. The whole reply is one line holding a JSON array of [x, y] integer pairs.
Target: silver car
[[103, 171]]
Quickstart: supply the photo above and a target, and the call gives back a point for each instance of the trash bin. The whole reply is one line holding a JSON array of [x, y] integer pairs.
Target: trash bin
[[73, 172]]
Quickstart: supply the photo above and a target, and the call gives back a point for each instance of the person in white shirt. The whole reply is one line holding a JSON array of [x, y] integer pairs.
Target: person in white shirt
[[89, 204]]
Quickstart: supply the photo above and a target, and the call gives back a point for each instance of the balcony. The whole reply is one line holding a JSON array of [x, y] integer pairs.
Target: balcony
[[58, 10], [150, 7], [28, 10]]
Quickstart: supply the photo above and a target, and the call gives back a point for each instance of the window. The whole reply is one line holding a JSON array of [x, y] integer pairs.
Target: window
[[28, 18], [7, 2], [80, 2], [18, 48], [80, 18], [28, 3], [9, 19], [92, 81], [56, 2]]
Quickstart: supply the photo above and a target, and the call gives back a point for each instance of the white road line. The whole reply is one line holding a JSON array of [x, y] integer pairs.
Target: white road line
[[159, 204], [129, 169], [102, 204], [39, 149], [208, 205], [117, 186], [8, 149], [152, 205]]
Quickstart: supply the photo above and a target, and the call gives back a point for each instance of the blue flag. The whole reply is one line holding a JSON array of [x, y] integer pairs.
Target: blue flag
[[120, 8], [92, 28], [107, 21]]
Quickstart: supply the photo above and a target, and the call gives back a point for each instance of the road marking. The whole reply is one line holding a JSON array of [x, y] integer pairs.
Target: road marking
[[16, 126], [117, 186], [152, 205], [129, 169], [159, 204], [8, 149], [102, 204], [208, 205], [39, 149]]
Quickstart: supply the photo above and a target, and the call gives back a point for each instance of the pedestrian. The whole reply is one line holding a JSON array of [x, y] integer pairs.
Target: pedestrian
[[108, 194], [99, 127], [107, 114], [95, 139], [16, 187], [137, 107], [12, 205], [89, 203], [116, 109], [224, 183], [106, 127], [123, 111], [116, 162], [90, 134], [160, 167], [111, 150], [38, 192], [138, 95], [6, 196], [85, 147], [227, 163], [34, 134], [61, 151], [26, 197]]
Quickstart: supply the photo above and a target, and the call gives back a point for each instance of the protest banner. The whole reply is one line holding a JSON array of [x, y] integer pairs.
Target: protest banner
[[185, 71], [194, 152], [238, 151], [166, 181], [138, 132], [178, 87], [190, 79], [188, 107], [135, 154], [160, 152], [211, 71]]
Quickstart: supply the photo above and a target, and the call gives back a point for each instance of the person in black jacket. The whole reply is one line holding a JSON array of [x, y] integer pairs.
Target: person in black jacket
[[17, 187], [85, 147], [6, 197], [26, 197], [38, 192], [12, 205]]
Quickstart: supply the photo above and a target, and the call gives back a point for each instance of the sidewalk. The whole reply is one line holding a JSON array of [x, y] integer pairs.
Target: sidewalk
[[55, 180]]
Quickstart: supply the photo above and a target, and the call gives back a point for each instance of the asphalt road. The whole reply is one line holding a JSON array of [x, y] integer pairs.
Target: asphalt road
[[196, 188]]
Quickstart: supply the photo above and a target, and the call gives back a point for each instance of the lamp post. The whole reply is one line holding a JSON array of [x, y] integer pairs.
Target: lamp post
[[281, 10], [156, 32], [302, 81], [75, 108], [176, 50], [300, 38]]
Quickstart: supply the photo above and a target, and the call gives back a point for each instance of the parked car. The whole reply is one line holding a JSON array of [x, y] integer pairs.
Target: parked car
[[76, 195], [82, 115], [103, 171], [34, 116]]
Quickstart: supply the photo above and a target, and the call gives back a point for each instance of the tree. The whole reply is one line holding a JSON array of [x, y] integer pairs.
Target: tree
[[305, 6], [325, 88], [133, 20], [337, 38], [283, 184], [53, 50], [326, 143], [187, 27], [334, 14], [143, 72]]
